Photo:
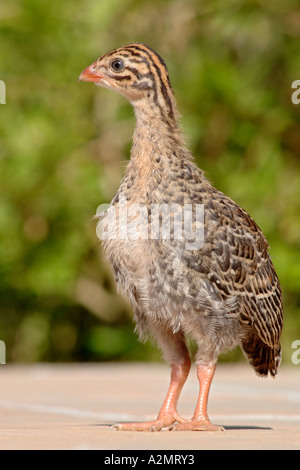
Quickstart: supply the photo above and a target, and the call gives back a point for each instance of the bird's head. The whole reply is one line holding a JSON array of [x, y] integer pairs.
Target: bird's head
[[136, 72]]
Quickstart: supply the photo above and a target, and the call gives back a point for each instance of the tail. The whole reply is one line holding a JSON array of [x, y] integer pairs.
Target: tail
[[263, 358]]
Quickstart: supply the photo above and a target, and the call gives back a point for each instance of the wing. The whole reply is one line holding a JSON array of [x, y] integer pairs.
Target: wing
[[236, 263]]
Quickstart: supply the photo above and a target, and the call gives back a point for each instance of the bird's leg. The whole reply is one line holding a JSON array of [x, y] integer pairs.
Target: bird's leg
[[200, 420], [168, 413], [179, 374]]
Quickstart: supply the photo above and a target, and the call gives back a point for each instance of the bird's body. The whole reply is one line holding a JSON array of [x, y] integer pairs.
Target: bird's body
[[220, 288]]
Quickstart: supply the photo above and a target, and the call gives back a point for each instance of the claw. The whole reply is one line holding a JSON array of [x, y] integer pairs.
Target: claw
[[114, 427]]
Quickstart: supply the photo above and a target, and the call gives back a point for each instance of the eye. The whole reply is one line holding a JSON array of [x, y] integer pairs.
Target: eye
[[117, 65]]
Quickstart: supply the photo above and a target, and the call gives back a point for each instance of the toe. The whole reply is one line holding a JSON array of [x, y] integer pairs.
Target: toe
[[163, 422], [151, 426], [193, 425]]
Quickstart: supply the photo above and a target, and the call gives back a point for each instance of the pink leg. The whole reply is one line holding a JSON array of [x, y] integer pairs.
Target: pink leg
[[200, 420], [168, 413]]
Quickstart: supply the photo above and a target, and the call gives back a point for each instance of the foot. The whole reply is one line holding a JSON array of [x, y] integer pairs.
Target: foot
[[196, 425], [162, 422]]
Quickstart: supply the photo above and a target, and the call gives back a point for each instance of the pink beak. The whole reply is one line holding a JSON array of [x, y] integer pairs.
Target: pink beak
[[90, 75]]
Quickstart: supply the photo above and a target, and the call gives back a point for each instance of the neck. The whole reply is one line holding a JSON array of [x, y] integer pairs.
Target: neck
[[156, 137]]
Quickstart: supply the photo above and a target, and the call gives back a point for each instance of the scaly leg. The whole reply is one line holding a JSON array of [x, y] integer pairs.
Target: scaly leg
[[200, 420], [179, 372]]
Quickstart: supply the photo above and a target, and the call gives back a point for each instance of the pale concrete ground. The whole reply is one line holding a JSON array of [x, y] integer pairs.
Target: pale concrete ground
[[72, 406]]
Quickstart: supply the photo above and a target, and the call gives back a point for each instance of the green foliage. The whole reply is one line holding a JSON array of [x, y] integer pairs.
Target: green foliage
[[63, 144]]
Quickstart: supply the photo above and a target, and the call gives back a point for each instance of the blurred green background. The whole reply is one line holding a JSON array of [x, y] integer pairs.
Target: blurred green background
[[63, 145]]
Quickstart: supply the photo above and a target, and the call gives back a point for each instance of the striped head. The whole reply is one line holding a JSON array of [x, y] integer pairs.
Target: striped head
[[136, 72]]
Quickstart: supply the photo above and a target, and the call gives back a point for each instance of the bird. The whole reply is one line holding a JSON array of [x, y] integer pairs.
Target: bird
[[213, 281]]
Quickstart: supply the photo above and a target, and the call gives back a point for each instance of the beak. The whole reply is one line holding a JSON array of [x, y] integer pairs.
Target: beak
[[90, 75]]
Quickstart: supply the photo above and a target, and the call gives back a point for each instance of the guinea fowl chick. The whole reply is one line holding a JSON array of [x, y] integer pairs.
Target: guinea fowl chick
[[190, 260]]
